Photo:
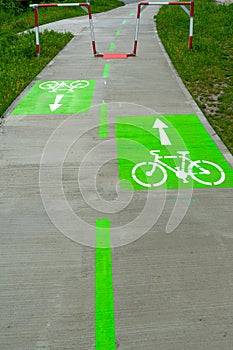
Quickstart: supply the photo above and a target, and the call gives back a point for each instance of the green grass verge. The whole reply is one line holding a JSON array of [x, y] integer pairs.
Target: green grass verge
[[18, 62], [207, 70], [21, 17]]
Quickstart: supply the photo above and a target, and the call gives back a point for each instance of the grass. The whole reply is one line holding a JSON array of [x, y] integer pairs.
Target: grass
[[207, 70], [22, 17], [18, 62]]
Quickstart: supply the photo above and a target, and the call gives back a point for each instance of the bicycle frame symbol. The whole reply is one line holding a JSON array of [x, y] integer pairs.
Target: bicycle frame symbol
[[187, 168], [55, 86]]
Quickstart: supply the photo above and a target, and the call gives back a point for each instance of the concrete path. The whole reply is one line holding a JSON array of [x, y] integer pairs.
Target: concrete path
[[169, 270]]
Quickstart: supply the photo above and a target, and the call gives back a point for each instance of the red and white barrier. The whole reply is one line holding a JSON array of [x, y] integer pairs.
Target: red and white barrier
[[142, 6], [85, 6]]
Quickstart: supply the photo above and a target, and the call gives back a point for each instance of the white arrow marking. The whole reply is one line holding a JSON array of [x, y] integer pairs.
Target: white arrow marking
[[158, 124], [56, 104]]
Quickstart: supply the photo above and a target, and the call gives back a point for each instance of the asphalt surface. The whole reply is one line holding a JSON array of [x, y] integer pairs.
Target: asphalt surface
[[171, 249]]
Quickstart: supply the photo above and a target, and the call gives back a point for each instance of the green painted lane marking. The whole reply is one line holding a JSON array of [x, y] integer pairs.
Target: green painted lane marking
[[131, 14], [57, 97], [111, 47], [106, 70], [103, 125], [124, 22], [104, 300], [201, 164], [118, 32]]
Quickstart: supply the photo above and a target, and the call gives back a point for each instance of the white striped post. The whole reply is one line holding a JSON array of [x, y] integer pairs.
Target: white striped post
[[36, 16], [191, 25], [137, 26], [92, 29]]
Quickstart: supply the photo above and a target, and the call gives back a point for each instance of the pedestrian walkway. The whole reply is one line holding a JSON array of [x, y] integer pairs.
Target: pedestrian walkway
[[106, 243]]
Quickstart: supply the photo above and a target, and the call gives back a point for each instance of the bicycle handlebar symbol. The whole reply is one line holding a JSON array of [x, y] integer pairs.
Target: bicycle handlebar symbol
[[195, 169], [55, 86]]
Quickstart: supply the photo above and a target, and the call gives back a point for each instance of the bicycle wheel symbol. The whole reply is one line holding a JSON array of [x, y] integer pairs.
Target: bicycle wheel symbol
[[207, 173], [55, 86], [142, 175], [153, 174]]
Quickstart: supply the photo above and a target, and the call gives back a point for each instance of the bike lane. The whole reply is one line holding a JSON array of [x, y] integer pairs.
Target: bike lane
[[163, 284], [169, 141]]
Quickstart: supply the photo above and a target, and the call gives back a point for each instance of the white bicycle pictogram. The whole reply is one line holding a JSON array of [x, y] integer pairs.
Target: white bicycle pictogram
[[198, 170], [55, 86]]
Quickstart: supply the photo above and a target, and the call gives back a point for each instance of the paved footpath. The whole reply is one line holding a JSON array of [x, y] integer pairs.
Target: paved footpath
[[96, 254]]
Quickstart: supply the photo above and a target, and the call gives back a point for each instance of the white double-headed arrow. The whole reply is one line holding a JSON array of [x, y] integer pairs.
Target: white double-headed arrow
[[158, 124], [56, 104]]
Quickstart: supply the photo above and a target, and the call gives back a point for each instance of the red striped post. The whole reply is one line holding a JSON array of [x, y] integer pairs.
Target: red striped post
[[191, 25], [91, 28], [37, 31], [137, 26]]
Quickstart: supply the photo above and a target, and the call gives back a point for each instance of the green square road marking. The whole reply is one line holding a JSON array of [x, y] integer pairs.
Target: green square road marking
[[204, 165], [57, 97]]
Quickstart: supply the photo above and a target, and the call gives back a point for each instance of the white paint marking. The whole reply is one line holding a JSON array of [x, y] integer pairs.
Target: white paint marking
[[56, 104], [158, 124]]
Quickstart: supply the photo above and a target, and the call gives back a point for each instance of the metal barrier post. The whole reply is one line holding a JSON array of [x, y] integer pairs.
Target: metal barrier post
[[191, 25], [37, 31]]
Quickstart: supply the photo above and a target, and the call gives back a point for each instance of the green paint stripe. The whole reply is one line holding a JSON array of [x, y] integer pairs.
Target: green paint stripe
[[103, 124], [131, 14], [104, 301], [106, 70], [118, 32], [123, 22], [111, 47]]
